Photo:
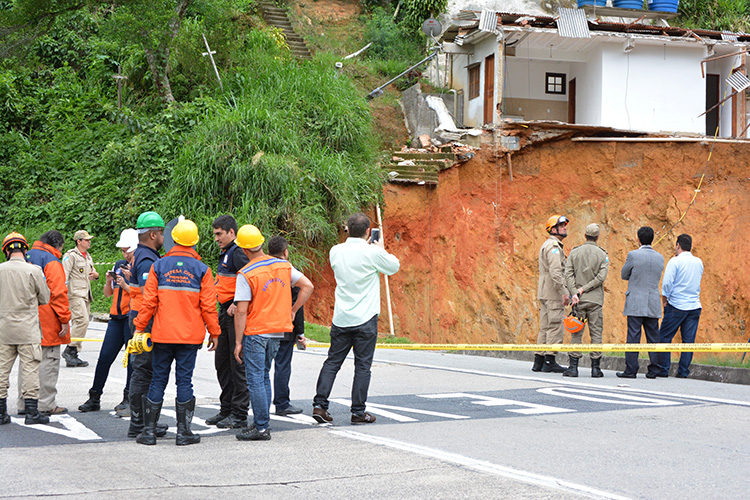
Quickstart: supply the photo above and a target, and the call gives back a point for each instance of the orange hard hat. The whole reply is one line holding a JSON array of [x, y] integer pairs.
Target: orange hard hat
[[15, 241], [573, 323], [555, 220]]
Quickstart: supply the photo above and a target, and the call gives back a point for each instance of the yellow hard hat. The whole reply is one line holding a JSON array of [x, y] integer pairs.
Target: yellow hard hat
[[15, 241], [185, 233], [249, 237], [555, 220]]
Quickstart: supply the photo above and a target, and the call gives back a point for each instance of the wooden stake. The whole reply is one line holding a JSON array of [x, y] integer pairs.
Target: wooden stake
[[387, 287], [510, 166], [119, 77], [210, 54]]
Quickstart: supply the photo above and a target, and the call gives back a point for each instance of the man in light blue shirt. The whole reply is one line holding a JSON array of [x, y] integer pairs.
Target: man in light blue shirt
[[680, 296], [357, 264]]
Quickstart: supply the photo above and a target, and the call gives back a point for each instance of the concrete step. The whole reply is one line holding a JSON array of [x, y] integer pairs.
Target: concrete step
[[428, 155]]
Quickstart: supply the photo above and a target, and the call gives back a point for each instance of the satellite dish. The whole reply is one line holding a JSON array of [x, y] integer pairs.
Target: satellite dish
[[432, 27]]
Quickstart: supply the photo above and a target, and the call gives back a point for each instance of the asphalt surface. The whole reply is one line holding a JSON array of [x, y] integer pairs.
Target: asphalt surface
[[448, 426]]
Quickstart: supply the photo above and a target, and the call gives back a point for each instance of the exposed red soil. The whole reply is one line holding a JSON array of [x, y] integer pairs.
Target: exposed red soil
[[469, 246]]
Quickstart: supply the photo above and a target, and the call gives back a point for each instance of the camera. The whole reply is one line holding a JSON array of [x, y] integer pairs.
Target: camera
[[374, 235]]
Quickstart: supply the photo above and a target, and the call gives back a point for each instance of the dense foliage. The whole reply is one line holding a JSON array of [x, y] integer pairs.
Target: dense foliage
[[287, 145], [732, 15]]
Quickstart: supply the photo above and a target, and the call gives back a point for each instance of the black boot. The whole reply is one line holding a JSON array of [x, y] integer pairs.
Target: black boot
[[136, 415], [93, 403], [4, 417], [550, 364], [151, 412], [70, 355], [123, 409], [32, 413], [572, 370], [596, 372], [538, 363], [184, 419]]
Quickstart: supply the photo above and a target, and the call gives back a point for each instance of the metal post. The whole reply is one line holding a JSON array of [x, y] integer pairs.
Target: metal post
[[210, 54], [387, 287], [119, 77]]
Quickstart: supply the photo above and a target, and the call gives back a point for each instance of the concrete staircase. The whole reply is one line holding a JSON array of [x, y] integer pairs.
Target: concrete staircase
[[276, 16], [418, 167]]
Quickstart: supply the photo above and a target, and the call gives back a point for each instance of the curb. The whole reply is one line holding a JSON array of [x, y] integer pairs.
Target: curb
[[722, 374]]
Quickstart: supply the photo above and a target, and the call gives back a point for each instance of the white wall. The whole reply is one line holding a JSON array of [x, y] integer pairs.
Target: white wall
[[474, 108], [525, 79], [588, 88], [653, 88], [723, 67]]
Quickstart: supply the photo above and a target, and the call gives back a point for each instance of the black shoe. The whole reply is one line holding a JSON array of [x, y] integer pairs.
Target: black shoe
[[681, 376], [538, 363], [596, 371], [70, 354], [232, 422], [123, 409], [216, 418], [572, 370], [625, 375], [151, 413], [32, 413], [184, 418], [654, 375], [289, 410], [550, 365], [253, 434], [93, 403], [4, 417], [322, 416]]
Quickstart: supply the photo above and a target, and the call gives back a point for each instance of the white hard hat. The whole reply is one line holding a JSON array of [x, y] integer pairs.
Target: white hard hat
[[128, 239]]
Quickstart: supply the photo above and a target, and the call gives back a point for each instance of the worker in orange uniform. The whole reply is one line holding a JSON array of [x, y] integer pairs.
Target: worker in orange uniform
[[263, 294], [181, 297], [54, 318]]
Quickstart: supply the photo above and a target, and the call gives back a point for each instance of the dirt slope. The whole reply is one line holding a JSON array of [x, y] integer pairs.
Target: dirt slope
[[469, 247]]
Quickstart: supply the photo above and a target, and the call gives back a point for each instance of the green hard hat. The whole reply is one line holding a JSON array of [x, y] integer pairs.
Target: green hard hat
[[149, 219]]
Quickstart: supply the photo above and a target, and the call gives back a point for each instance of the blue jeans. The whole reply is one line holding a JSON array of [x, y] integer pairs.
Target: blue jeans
[[687, 323], [258, 353], [362, 339], [117, 335], [162, 356], [282, 372]]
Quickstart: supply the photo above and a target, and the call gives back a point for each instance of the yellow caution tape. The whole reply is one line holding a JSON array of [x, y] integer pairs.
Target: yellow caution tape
[[140, 343], [738, 347]]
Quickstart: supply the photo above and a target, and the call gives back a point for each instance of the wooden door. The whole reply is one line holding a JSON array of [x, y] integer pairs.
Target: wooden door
[[572, 101], [489, 89], [713, 84]]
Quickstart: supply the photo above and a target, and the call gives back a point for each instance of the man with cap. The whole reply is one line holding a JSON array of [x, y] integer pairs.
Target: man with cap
[[551, 293], [79, 273], [264, 312], [54, 318], [585, 272], [118, 329], [150, 227], [180, 298], [22, 290]]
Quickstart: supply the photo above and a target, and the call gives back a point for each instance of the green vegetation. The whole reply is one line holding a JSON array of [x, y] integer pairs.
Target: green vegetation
[[320, 333], [732, 15]]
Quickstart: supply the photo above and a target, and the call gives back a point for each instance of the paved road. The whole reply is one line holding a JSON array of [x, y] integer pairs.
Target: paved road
[[448, 426]]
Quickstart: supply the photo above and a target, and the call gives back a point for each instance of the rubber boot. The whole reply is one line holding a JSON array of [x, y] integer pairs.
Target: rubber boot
[[538, 363], [4, 417], [136, 415], [32, 413], [151, 412], [596, 371], [184, 419], [123, 409], [93, 403], [572, 370], [550, 365]]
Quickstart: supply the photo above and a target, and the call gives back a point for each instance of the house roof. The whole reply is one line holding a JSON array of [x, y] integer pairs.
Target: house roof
[[469, 24]]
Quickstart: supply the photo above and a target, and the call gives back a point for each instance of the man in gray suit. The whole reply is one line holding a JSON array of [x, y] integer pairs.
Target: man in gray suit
[[642, 269]]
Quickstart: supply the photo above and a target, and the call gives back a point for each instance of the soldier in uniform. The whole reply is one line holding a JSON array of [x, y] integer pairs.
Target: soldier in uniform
[[585, 273], [552, 295], [79, 273]]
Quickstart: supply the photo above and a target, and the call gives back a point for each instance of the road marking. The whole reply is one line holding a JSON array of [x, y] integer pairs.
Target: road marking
[[529, 408], [483, 466], [378, 411], [407, 410], [569, 383], [73, 428], [605, 397]]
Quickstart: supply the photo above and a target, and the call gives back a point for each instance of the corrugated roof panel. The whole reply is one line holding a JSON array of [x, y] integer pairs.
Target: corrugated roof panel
[[728, 35], [488, 21], [738, 81], [573, 24]]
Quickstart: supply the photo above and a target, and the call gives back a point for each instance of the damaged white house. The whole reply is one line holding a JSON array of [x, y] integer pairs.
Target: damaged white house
[[575, 68]]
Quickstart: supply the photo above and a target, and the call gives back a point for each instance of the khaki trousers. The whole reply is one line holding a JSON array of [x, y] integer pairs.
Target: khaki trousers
[[551, 330], [30, 356], [49, 371], [80, 313], [592, 312]]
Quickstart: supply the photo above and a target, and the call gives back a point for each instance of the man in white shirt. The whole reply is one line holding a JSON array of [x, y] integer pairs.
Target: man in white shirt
[[680, 296], [357, 264]]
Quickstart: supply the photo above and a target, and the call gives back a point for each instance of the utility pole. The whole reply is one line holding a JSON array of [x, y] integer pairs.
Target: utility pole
[[210, 54], [119, 77]]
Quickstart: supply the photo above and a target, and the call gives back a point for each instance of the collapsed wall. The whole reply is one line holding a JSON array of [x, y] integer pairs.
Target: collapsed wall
[[468, 246]]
